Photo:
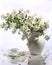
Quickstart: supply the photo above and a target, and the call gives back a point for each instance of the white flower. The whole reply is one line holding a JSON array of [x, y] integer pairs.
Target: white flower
[[13, 24]]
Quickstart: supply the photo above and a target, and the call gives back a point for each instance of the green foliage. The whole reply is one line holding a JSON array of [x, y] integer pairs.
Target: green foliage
[[24, 21]]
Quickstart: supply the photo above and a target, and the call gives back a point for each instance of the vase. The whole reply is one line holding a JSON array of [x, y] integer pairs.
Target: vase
[[36, 43]]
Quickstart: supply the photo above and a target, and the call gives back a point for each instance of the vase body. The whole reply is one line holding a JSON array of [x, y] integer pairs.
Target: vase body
[[36, 45]]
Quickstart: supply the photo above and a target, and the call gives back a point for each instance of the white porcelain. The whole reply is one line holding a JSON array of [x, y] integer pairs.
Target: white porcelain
[[36, 45]]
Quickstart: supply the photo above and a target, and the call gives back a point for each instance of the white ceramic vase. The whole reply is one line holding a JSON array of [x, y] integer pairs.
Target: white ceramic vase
[[36, 43]]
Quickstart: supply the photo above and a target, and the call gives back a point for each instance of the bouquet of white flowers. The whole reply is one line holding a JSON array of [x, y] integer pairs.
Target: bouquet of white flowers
[[25, 22]]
